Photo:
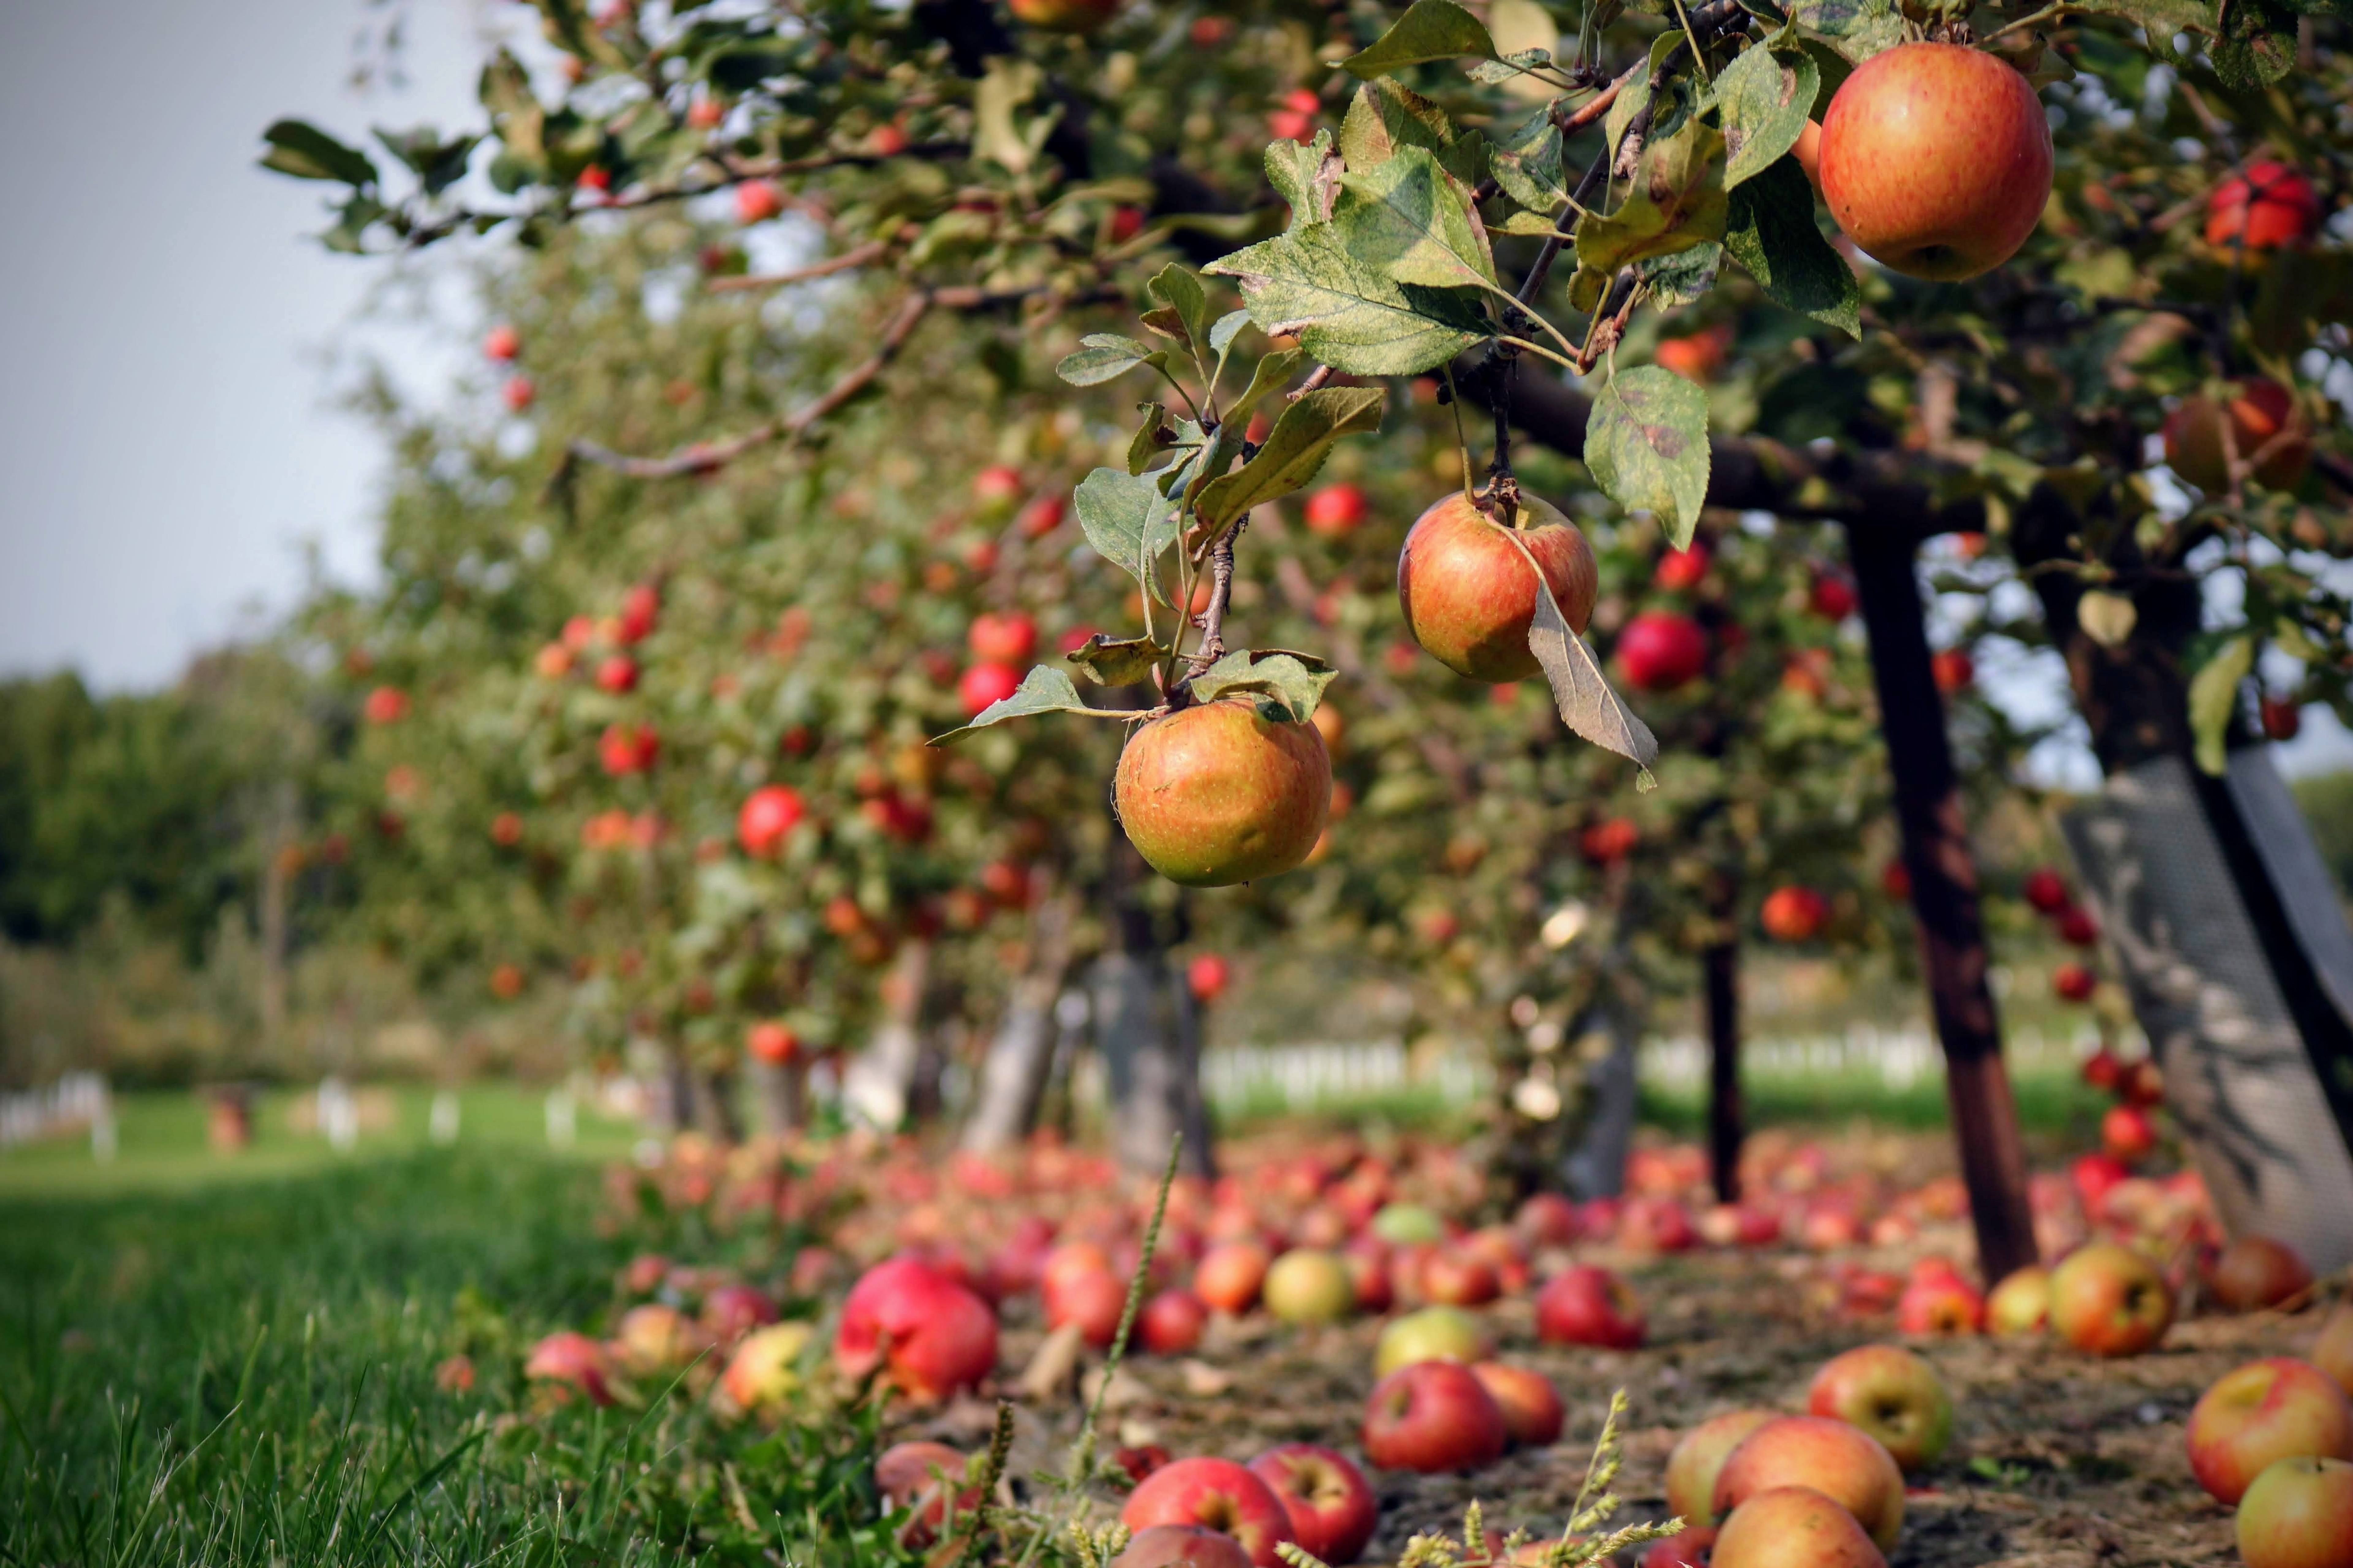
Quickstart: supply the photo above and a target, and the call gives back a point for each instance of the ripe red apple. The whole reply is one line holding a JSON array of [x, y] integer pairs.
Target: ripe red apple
[[625, 749], [1532, 1409], [2142, 1083], [1296, 120], [1936, 160], [1093, 1298], [1944, 1305], [2270, 205], [1793, 1527], [1469, 595], [1833, 597], [925, 1478], [984, 684], [2255, 1271], [1609, 840], [1589, 1306], [2109, 1301], [1686, 1547], [1545, 1219], [1306, 1285], [1209, 974], [1433, 1415], [1007, 638], [2073, 982], [769, 813], [1680, 571], [519, 394], [1433, 1333], [1696, 356], [573, 1360], [2277, 1408], [1064, 15], [2283, 719], [1171, 1323], [1217, 794], [1230, 1274], [1794, 914], [1698, 1456], [1181, 1546], [731, 1311], [2298, 1513], [385, 705], [1216, 1494], [1335, 512], [1890, 1394], [758, 201], [1333, 1512], [765, 1370], [1845, 1463], [2020, 1304], [640, 608], [1953, 671], [933, 1335], [2077, 928], [2046, 891], [2128, 1134], [502, 344], [1661, 652], [2266, 427], [1452, 1277]]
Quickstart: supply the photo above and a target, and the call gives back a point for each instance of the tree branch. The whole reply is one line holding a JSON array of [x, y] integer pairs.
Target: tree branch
[[872, 250]]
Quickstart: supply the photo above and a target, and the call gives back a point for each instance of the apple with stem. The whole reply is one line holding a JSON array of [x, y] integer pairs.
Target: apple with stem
[[1332, 1508], [2277, 1408], [1890, 1394], [1218, 793]]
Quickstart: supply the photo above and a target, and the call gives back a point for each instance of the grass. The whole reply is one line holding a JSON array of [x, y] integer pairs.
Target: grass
[[2055, 1106]]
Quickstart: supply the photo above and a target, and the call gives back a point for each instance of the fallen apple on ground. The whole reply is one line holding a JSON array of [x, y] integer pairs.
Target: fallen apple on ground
[[1842, 1462], [1331, 1505], [2277, 1408], [1890, 1394], [1216, 1494]]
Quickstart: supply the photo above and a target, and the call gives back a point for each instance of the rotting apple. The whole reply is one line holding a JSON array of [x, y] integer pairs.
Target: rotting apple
[[2255, 1271]]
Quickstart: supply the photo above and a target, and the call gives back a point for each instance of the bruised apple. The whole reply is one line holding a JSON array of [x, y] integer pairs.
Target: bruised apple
[[1218, 793], [1936, 160], [1468, 594]]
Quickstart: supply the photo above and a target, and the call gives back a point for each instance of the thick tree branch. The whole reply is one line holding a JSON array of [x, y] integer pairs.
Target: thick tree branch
[[859, 256]]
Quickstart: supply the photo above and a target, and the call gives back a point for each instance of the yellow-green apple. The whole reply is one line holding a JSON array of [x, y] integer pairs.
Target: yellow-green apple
[[1307, 1285], [1229, 1276], [1398, 1224], [2255, 1271], [1470, 593], [1430, 1416], [1936, 159], [2298, 1513], [1216, 1494], [2109, 1301], [928, 1333], [925, 1478], [2277, 1408], [572, 1360], [1433, 1333], [2267, 430], [766, 1368], [1218, 793], [1589, 1306], [1331, 1504], [1181, 1546], [2332, 1353], [1171, 1323], [2020, 1304], [1793, 1527], [1532, 1410], [1890, 1394], [1845, 1463], [655, 1338], [1698, 1455]]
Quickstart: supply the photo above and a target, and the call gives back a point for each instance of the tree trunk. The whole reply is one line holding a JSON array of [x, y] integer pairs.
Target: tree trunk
[[1149, 1036], [879, 1086], [277, 889], [1597, 1168], [1943, 868], [782, 1088], [715, 1107], [1021, 1055], [1727, 1120]]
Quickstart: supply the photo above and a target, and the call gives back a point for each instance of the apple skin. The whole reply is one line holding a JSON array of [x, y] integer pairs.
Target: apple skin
[[1219, 1495], [1007, 638], [1335, 512], [1468, 595], [1064, 15], [1452, 1277], [1215, 793], [1181, 1546], [765, 1368], [1936, 160], [1660, 652], [1332, 1508], [2298, 1513], [2109, 1301], [2255, 1271], [924, 1476], [1306, 1285], [1845, 1463], [1893, 1395], [1532, 1412], [1398, 1224], [731, 1312], [1794, 914], [2277, 1408], [1945, 1305], [1433, 1333], [1432, 1416], [575, 1359], [1698, 1456], [1687, 1548], [1589, 1306], [1171, 1323], [2332, 1353], [1230, 1277], [984, 685], [2020, 1304], [1092, 1299], [931, 1334], [2261, 411], [2270, 205], [1793, 1527]]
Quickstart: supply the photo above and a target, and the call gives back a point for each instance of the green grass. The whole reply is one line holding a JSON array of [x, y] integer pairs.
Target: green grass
[[2055, 1106]]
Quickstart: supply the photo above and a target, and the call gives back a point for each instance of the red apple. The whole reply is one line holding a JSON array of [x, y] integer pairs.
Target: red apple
[[1093, 1299], [985, 684], [1680, 571], [2270, 205], [1007, 638], [2109, 1301], [925, 1478], [1545, 1219], [758, 201], [2267, 430], [2128, 1135], [1469, 595], [2282, 718], [519, 394], [1335, 512], [2298, 1513], [1171, 1323], [769, 813], [1945, 1305], [1209, 974], [2074, 983], [731, 1311], [2277, 1408], [1843, 1462], [502, 344], [1793, 1527], [1306, 1285], [1454, 1278], [1589, 1306], [1794, 914], [1936, 160], [2255, 1271], [2141, 1082], [1890, 1394], [1433, 1415], [1698, 1456], [1532, 1409], [385, 705], [1661, 652], [1953, 671], [1333, 1512], [1833, 597], [1230, 1274], [2046, 891], [931, 1334], [2020, 1304], [772, 1042], [573, 1359], [1181, 1546], [1216, 1494]]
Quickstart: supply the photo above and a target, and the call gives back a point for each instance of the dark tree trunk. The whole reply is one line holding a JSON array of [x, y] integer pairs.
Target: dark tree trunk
[[1020, 1059], [1943, 868], [783, 1092], [1728, 1124]]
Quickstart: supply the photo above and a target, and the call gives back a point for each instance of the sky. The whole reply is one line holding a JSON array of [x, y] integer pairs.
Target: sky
[[170, 342]]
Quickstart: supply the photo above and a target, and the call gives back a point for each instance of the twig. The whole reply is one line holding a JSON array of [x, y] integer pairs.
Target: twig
[[872, 250], [1213, 621], [1323, 375]]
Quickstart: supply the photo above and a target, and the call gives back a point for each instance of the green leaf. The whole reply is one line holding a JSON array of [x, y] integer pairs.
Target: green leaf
[[1771, 232], [1128, 521], [1580, 691], [1177, 288], [1385, 117], [1044, 690], [1305, 178], [1223, 333], [1429, 30], [437, 165], [1677, 201], [1103, 356], [1293, 682], [1682, 277], [1765, 100], [1270, 375], [1407, 216], [1646, 445], [302, 150], [1526, 160], [1121, 662], [1295, 450], [1856, 29], [515, 112], [996, 135], [1146, 445], [2214, 698], [1348, 313], [2256, 46]]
